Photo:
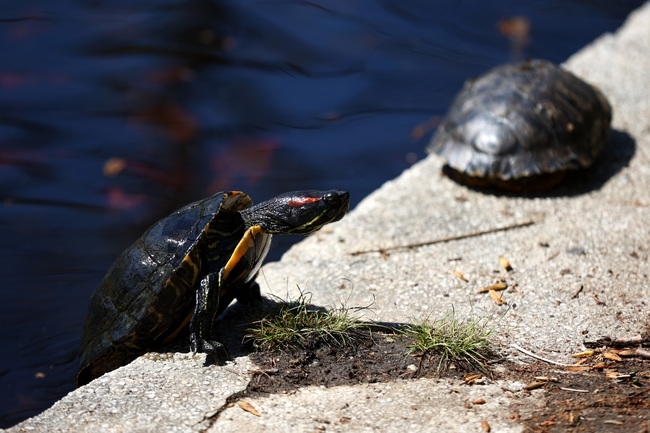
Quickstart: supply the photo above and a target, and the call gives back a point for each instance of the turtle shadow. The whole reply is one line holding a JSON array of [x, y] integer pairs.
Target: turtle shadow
[[617, 153], [233, 329], [240, 321]]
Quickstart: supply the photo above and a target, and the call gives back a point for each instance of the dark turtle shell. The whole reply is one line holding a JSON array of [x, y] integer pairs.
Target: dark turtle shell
[[187, 268], [148, 295], [522, 124]]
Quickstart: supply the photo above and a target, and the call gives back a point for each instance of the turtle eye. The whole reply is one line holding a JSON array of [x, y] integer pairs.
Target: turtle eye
[[301, 201]]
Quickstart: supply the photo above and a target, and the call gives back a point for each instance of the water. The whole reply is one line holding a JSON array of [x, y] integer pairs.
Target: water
[[112, 114]]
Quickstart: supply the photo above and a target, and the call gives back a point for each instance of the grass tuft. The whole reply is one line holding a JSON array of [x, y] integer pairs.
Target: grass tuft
[[300, 323], [463, 342]]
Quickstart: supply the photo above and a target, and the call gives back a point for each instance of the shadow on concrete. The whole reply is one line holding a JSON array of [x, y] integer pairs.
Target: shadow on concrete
[[616, 155], [233, 328]]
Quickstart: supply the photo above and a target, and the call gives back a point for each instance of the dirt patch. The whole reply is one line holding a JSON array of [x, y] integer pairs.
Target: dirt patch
[[574, 401], [587, 401], [368, 358]]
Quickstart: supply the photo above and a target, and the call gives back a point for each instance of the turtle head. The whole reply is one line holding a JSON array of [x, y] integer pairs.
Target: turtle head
[[301, 212]]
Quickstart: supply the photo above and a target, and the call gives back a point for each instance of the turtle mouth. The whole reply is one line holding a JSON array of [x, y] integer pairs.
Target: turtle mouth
[[338, 203]]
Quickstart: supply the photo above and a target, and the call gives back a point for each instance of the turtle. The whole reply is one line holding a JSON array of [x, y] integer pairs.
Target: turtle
[[521, 126], [187, 268]]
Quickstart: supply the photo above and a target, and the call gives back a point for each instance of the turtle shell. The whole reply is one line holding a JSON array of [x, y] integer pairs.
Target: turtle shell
[[148, 295], [521, 123]]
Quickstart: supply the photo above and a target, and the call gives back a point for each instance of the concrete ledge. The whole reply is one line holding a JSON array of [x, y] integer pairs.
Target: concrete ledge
[[580, 267]]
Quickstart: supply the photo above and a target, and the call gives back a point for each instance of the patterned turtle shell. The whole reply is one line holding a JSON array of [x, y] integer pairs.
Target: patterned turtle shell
[[521, 126]]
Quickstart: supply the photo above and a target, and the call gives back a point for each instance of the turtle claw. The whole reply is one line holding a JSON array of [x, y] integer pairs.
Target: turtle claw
[[215, 351]]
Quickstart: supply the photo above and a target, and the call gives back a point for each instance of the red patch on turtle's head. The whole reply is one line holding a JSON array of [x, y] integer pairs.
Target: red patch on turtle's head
[[301, 201]]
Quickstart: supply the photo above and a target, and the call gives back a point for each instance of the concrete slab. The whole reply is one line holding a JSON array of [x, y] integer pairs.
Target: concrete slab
[[580, 263], [159, 392], [421, 405]]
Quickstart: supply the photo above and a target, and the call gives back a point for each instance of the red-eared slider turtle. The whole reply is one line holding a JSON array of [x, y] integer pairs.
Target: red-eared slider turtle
[[521, 126], [187, 268]]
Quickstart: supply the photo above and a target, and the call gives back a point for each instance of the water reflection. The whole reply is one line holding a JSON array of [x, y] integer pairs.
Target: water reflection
[[114, 114]]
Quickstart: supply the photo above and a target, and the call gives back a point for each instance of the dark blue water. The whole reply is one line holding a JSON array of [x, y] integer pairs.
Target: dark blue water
[[112, 114]]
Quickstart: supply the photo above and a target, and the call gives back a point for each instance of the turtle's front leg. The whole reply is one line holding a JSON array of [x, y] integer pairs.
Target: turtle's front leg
[[249, 294], [205, 312]]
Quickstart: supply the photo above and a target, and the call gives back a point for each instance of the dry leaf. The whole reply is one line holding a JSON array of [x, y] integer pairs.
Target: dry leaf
[[577, 368], [599, 366], [497, 297], [505, 264], [547, 379], [485, 426], [608, 354], [614, 375], [479, 401], [472, 378], [460, 275], [627, 352], [248, 407], [497, 287], [534, 385], [585, 354]]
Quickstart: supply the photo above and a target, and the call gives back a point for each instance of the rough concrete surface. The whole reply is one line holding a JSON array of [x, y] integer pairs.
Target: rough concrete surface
[[158, 392], [580, 263], [417, 405]]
